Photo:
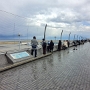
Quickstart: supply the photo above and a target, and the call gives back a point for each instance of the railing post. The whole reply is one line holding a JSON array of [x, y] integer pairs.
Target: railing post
[[45, 31], [61, 35]]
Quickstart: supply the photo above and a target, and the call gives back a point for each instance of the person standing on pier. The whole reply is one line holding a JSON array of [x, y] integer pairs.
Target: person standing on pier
[[59, 45], [44, 46], [34, 44], [48, 46], [51, 46]]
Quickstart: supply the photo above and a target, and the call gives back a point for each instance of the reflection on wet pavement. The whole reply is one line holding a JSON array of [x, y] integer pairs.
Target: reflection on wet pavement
[[64, 70]]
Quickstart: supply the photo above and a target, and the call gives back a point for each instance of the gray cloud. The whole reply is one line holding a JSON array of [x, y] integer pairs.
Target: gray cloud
[[66, 14]]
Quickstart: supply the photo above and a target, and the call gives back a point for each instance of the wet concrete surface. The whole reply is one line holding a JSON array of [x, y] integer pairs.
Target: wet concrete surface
[[65, 70]]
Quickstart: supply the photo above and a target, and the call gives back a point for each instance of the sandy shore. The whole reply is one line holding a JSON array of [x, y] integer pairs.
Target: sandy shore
[[15, 42], [7, 42]]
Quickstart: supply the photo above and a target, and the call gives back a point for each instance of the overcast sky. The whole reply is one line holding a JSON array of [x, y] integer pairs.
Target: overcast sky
[[67, 15]]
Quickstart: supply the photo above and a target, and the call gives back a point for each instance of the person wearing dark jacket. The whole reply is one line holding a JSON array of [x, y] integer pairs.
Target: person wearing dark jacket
[[59, 45], [51, 46], [44, 46]]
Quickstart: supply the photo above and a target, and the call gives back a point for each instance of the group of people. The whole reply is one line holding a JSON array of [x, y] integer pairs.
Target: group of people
[[48, 47], [63, 45], [45, 46], [66, 44]]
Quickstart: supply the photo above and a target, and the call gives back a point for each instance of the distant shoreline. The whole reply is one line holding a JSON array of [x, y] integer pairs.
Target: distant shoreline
[[15, 41], [23, 41]]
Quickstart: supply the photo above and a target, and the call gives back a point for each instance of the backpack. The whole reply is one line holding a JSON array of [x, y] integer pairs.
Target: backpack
[[34, 46]]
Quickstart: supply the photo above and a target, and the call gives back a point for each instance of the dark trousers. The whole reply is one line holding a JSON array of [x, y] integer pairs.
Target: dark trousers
[[59, 48], [44, 50], [51, 49], [34, 50], [48, 48]]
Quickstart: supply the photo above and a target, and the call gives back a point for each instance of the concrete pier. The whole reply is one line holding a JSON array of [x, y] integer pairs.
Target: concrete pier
[[62, 70]]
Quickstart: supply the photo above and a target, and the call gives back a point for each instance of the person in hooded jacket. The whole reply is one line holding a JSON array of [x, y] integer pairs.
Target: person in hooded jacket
[[51, 46], [59, 45], [44, 45]]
